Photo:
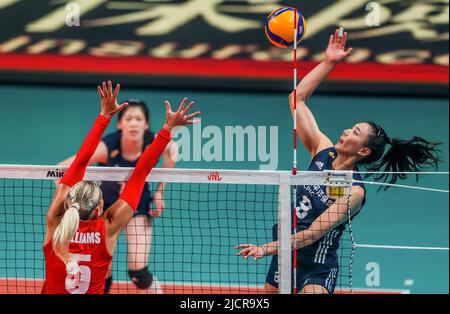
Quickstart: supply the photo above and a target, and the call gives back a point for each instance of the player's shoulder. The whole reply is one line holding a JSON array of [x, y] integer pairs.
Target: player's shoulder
[[149, 137], [325, 153], [112, 140]]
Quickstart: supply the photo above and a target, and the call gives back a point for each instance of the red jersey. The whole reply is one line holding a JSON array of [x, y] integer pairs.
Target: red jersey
[[88, 248]]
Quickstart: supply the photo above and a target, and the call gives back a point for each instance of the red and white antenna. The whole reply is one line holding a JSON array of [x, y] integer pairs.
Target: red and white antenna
[[294, 169]]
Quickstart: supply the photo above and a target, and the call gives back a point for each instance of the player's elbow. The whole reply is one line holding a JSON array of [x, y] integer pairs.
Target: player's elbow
[[301, 99]]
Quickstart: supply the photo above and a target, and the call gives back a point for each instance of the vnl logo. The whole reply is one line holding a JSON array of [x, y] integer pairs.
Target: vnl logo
[[215, 176], [229, 144]]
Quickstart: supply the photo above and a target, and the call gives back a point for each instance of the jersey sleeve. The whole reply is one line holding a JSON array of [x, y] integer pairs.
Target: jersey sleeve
[[323, 152]]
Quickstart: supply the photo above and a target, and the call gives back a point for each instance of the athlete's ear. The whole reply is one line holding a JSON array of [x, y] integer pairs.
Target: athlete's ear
[[119, 124], [364, 152]]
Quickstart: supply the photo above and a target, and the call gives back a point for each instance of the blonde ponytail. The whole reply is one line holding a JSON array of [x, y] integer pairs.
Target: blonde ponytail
[[65, 232], [81, 199]]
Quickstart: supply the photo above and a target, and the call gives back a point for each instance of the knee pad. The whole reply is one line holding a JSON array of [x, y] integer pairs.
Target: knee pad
[[141, 278], [108, 284]]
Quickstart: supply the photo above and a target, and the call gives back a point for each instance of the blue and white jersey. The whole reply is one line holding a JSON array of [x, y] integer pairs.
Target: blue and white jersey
[[311, 202], [111, 190]]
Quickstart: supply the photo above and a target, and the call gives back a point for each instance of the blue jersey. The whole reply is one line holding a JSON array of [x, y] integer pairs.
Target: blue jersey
[[311, 202], [111, 190]]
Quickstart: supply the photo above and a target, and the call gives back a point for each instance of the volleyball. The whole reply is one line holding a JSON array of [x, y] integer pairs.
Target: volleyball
[[279, 27]]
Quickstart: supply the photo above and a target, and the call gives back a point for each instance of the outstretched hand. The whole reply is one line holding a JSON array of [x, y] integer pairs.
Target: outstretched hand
[[181, 117], [251, 250], [336, 51], [109, 100]]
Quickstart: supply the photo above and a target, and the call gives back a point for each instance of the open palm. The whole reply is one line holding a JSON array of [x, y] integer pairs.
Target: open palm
[[336, 51], [109, 99], [180, 117]]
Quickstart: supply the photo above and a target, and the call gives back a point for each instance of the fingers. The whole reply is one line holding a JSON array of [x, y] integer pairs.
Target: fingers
[[186, 110], [339, 36], [110, 91], [192, 115], [248, 250], [105, 91], [348, 52], [120, 108], [331, 40], [336, 36], [189, 122], [246, 253], [180, 109], [168, 109], [116, 91], [100, 91], [344, 39]]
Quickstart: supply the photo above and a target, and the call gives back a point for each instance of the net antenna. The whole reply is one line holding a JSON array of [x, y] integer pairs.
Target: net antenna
[[294, 166]]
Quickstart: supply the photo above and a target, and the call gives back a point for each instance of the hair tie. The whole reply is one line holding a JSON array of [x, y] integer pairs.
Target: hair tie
[[76, 205]]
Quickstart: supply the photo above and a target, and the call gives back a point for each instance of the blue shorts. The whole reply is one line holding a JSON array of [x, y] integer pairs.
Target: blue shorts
[[141, 211], [307, 274]]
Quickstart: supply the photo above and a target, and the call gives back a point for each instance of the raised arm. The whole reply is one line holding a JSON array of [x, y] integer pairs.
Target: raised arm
[[307, 129], [120, 213], [77, 169]]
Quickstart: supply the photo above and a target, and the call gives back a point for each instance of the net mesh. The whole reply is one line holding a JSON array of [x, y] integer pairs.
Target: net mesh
[[192, 243]]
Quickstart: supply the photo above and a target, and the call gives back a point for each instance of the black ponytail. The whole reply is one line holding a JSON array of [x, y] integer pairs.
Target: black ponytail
[[403, 155]]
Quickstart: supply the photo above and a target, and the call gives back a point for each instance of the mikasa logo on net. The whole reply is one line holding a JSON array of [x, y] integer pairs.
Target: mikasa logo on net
[[55, 173], [229, 144]]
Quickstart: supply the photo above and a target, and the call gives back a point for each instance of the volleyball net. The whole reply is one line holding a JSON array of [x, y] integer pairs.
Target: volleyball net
[[207, 213]]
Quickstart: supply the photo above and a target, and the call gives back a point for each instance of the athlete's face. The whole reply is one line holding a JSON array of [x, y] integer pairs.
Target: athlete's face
[[353, 141], [133, 124]]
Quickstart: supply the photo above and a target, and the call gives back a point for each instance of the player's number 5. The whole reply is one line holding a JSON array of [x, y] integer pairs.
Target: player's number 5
[[79, 285]]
